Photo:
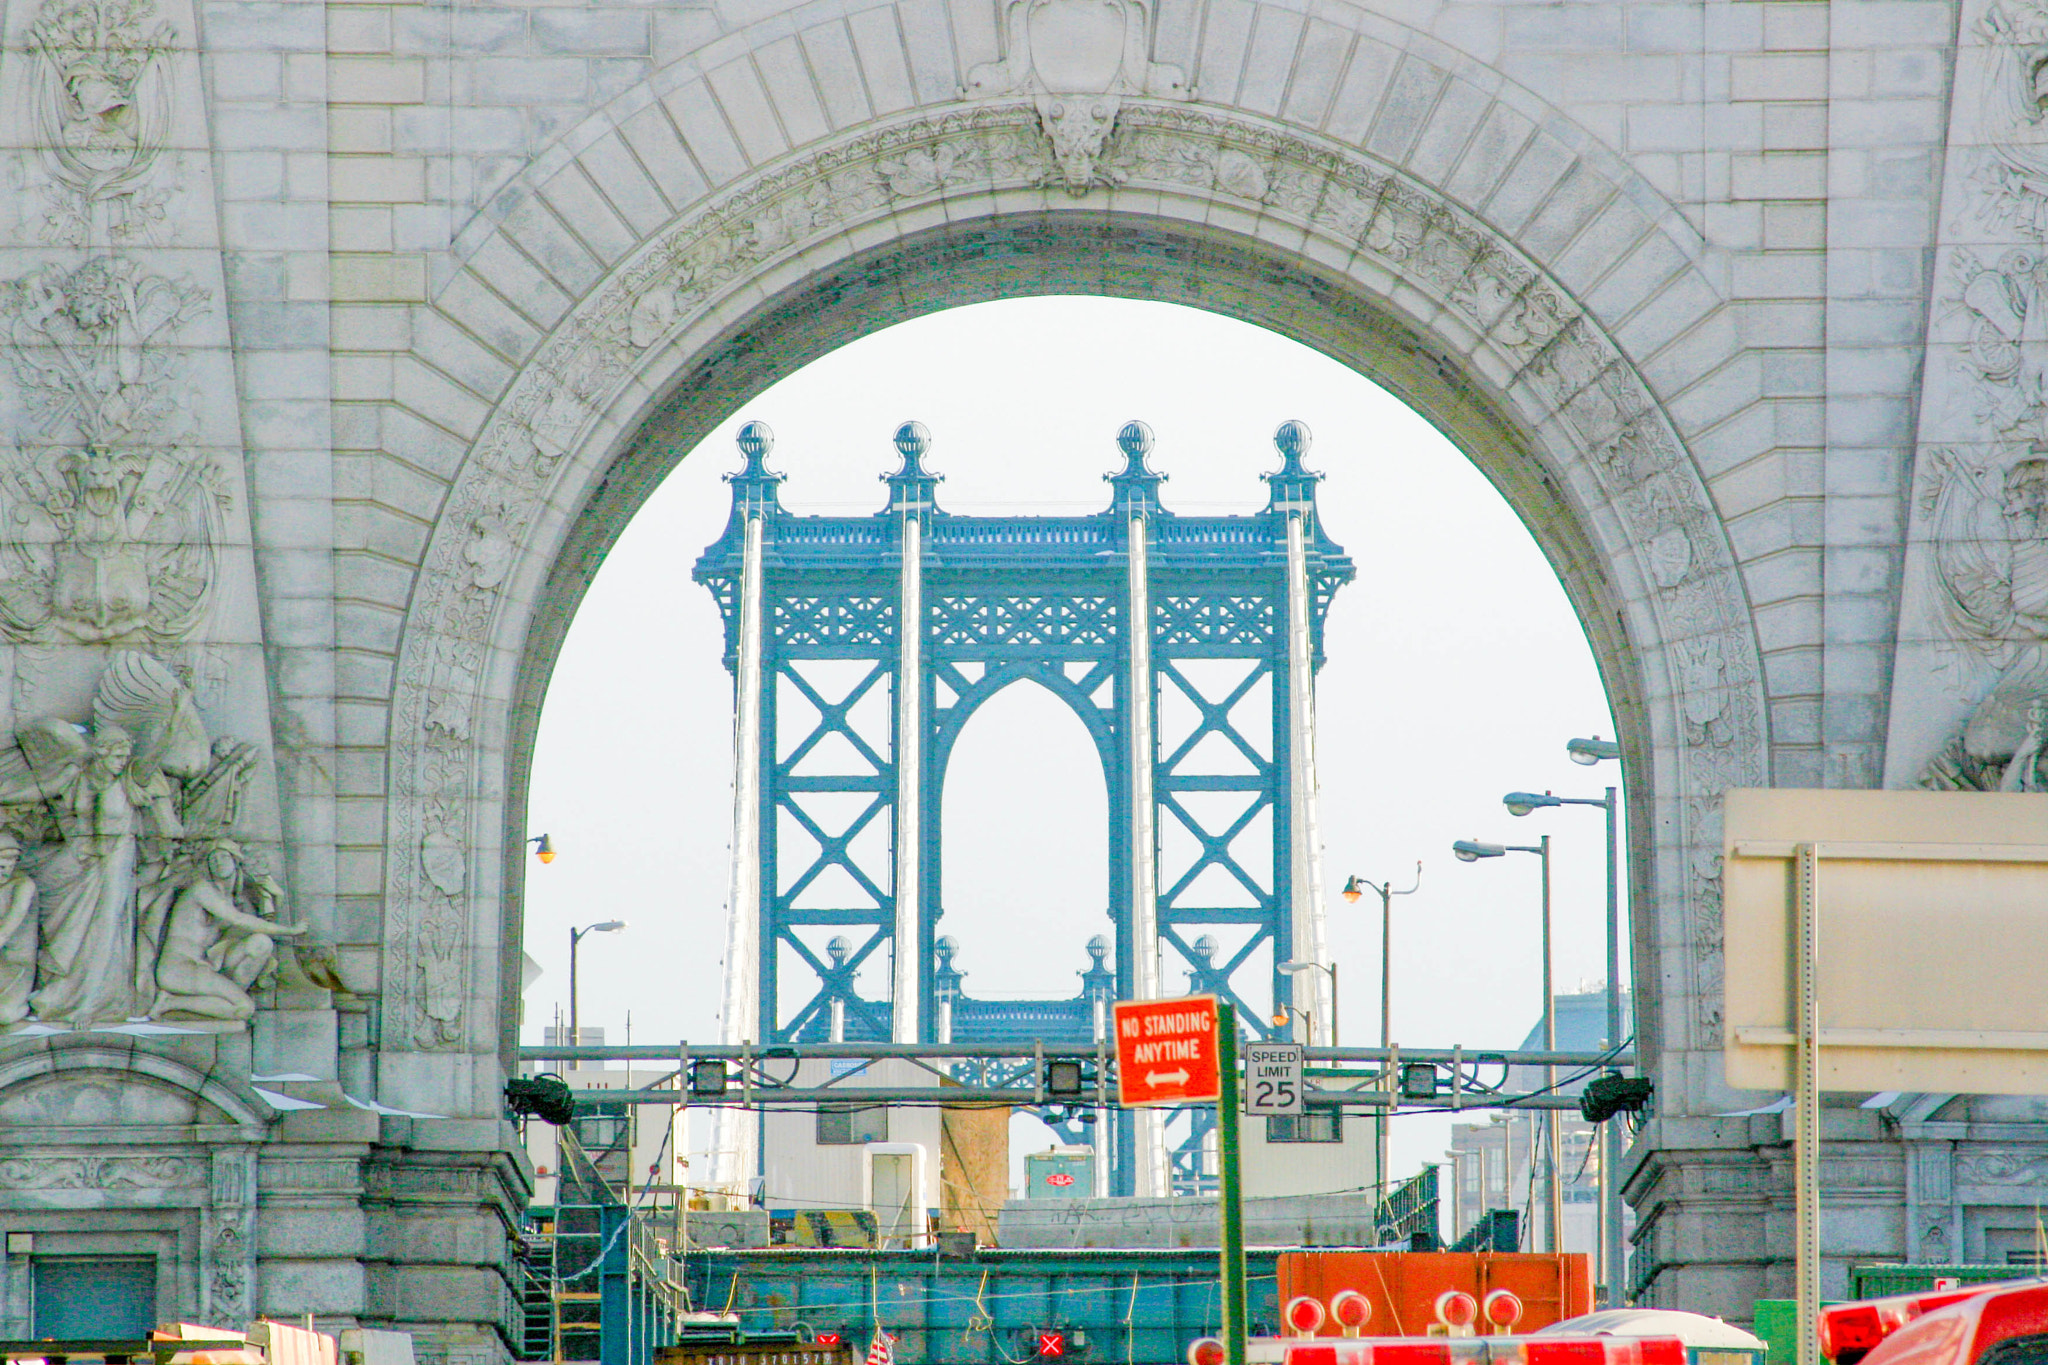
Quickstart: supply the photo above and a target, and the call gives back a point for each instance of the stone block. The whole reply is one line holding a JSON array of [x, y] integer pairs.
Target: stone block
[[529, 80], [591, 32], [376, 80], [829, 49], [358, 28]]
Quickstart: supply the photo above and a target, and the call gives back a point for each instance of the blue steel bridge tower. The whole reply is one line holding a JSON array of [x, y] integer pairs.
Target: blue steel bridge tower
[[860, 646]]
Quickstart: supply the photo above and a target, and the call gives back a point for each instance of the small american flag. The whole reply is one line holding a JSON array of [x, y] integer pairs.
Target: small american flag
[[883, 1350]]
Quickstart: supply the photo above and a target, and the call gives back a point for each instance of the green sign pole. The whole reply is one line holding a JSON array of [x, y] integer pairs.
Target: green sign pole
[[1227, 1106]]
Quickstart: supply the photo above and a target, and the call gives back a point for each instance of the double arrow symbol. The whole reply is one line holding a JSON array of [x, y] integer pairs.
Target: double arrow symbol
[[1167, 1077]]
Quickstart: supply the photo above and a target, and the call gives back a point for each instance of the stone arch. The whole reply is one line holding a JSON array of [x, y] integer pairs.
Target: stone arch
[[171, 1093], [1482, 329], [90, 1124]]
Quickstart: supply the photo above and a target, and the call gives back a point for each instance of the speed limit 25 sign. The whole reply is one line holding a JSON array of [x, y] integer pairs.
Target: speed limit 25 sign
[[1272, 1079]]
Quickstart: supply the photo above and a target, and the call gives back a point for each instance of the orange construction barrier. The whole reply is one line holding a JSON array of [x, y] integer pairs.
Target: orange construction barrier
[[1405, 1286]]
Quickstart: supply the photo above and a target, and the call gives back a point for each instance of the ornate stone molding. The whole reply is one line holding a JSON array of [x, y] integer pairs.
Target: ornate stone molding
[[1078, 60], [1570, 376]]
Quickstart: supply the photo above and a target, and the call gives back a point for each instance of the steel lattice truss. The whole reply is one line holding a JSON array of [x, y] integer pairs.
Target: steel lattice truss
[[1004, 599]]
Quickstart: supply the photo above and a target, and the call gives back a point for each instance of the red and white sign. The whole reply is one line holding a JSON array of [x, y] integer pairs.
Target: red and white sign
[[1059, 1180], [1166, 1051]]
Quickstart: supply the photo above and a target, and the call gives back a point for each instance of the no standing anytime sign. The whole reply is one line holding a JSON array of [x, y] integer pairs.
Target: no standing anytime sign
[[1166, 1051]]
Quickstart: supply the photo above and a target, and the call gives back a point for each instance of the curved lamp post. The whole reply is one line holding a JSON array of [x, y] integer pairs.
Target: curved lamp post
[[1471, 851], [1354, 889], [1295, 969], [610, 926]]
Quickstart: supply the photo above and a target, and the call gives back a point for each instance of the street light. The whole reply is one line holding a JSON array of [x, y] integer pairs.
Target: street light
[[545, 847], [1589, 752], [610, 926], [1282, 1017], [1354, 888], [1471, 851], [1296, 968]]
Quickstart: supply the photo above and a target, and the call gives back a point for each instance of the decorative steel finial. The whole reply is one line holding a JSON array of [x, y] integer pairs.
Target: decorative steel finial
[[838, 949], [912, 487], [1137, 487], [755, 440], [1292, 484], [1135, 440], [1293, 440], [754, 484], [913, 439]]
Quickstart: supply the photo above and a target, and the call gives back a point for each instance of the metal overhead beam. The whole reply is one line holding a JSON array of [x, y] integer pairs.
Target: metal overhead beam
[[1337, 1076], [754, 1052]]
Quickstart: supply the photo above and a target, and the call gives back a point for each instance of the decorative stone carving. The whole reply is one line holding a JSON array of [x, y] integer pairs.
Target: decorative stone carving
[[1692, 589], [1078, 60], [2015, 1166], [228, 1237], [19, 933], [117, 531], [1972, 694], [101, 1173], [137, 914], [214, 940], [100, 111]]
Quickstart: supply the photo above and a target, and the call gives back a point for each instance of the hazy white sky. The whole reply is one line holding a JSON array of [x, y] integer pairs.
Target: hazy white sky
[[1456, 672]]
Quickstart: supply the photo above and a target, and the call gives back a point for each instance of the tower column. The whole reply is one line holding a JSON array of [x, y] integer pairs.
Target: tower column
[[734, 1137], [1310, 931], [911, 497], [1293, 499], [1136, 499], [905, 992]]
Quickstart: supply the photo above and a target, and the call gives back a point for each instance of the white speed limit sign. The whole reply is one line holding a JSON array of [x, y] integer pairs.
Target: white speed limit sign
[[1272, 1080]]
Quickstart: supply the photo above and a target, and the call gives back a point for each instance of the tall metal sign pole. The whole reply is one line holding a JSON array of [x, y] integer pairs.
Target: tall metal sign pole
[[1232, 1201], [1185, 1051], [1806, 1101]]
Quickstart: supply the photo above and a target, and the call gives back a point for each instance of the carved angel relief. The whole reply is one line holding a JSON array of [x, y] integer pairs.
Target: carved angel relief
[[123, 892], [1078, 59], [116, 530], [100, 106]]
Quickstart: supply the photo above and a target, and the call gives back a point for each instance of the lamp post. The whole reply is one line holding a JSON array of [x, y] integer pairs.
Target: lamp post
[[1471, 851], [1284, 1015], [610, 926], [1588, 752], [1354, 888], [1296, 968]]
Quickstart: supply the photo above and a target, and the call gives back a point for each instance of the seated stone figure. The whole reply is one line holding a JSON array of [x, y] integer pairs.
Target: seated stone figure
[[18, 933], [213, 950]]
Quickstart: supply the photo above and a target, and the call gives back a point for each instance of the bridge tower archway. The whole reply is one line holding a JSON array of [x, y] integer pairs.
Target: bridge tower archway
[[1549, 366]]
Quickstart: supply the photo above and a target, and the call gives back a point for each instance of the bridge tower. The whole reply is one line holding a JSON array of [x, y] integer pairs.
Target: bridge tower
[[1204, 722]]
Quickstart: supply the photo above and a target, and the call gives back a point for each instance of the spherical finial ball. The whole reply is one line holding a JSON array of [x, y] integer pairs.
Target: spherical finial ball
[[838, 950], [1135, 440], [913, 439], [1293, 439], [755, 440]]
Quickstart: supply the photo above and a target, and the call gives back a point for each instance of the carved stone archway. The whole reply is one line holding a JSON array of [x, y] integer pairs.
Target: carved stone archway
[[1225, 211]]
